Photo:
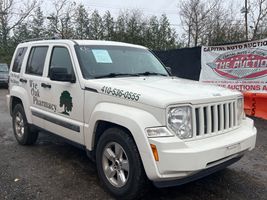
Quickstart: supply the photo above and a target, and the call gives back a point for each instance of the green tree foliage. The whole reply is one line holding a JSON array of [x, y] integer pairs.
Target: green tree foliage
[[81, 22], [109, 26], [66, 26], [36, 25], [154, 33], [167, 35], [205, 22], [21, 33], [151, 33], [120, 27], [68, 20], [134, 28], [52, 27], [96, 26]]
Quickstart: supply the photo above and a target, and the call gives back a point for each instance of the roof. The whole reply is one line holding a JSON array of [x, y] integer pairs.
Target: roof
[[104, 42], [82, 42]]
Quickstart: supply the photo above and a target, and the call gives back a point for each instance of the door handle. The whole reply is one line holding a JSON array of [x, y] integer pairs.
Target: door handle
[[23, 80], [44, 85]]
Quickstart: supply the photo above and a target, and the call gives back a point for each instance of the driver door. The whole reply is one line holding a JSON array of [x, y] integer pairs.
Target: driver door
[[66, 119]]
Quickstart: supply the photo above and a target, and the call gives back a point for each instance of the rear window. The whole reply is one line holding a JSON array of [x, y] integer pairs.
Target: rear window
[[19, 59], [36, 61]]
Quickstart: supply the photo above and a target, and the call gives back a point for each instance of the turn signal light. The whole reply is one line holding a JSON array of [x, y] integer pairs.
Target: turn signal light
[[155, 152]]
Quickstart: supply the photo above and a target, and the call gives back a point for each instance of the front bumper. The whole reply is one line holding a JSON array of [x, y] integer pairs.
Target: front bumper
[[179, 159], [198, 175]]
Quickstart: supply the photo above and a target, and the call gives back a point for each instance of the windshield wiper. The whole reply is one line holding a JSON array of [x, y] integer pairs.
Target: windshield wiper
[[112, 75], [150, 74]]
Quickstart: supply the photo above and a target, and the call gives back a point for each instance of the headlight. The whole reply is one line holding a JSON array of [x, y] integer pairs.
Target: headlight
[[240, 110], [180, 121]]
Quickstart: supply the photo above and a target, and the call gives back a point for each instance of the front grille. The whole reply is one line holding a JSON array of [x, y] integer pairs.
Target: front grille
[[212, 119]]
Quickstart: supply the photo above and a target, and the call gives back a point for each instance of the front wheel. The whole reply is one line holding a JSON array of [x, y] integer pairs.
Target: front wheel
[[21, 128], [119, 165]]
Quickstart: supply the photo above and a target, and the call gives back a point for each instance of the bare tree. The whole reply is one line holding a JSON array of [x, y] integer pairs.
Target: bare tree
[[61, 19], [194, 15], [11, 16], [258, 14], [223, 27]]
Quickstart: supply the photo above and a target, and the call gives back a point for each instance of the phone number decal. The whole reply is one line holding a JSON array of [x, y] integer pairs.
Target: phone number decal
[[120, 93]]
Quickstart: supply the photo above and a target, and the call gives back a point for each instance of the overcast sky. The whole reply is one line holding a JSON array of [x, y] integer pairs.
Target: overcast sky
[[149, 7]]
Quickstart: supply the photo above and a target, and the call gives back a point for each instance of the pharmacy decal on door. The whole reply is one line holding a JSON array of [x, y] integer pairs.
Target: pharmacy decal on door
[[241, 66]]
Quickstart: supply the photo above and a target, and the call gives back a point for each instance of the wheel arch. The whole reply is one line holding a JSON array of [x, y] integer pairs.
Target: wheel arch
[[13, 102], [19, 95], [131, 119], [101, 126]]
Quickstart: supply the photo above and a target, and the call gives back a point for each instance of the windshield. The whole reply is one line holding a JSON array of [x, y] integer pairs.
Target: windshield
[[3, 67], [112, 61]]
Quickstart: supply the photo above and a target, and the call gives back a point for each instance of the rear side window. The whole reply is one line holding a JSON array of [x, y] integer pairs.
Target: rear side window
[[19, 59], [36, 61]]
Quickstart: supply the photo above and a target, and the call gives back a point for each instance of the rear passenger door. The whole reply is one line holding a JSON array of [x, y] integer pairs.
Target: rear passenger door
[[65, 117], [15, 73], [32, 79]]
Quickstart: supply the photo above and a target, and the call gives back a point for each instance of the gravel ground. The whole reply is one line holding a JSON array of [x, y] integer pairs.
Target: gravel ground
[[52, 169]]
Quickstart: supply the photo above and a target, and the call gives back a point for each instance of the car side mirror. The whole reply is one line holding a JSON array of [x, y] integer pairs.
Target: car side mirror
[[169, 70], [61, 74]]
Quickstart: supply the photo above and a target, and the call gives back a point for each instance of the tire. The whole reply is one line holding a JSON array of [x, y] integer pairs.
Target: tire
[[112, 164], [21, 128]]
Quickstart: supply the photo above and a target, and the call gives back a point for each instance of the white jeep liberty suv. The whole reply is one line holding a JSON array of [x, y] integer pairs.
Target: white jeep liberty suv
[[119, 103]]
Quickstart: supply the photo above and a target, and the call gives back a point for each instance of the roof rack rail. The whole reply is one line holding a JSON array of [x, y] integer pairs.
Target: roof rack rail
[[39, 39]]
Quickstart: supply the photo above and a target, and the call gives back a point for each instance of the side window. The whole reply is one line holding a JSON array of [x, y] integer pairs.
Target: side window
[[19, 59], [61, 58], [36, 61]]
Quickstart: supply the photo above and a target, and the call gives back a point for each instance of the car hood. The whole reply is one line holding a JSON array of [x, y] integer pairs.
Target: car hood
[[162, 91]]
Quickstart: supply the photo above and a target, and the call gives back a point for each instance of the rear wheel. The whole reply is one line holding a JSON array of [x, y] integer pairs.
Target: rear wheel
[[119, 165], [21, 128]]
